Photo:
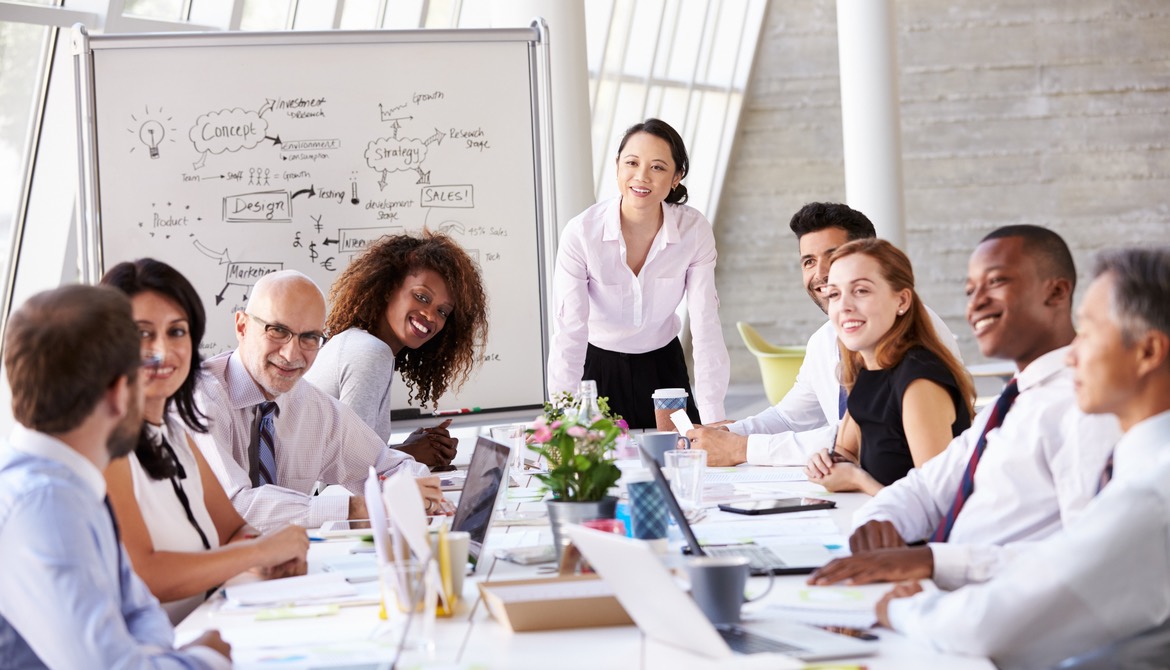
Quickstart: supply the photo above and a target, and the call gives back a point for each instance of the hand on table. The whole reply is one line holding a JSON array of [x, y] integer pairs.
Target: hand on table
[[875, 535], [433, 501], [882, 565], [432, 446], [212, 640], [723, 447], [282, 553], [900, 591]]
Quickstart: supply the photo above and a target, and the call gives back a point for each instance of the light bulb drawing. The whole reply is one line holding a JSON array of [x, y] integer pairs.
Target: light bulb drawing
[[151, 133]]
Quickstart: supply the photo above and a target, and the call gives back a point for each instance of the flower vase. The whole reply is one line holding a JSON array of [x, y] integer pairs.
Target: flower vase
[[561, 514]]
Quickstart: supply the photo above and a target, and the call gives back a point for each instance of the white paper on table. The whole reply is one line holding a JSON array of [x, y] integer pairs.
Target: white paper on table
[[316, 588], [746, 531], [835, 605], [377, 513], [753, 475]]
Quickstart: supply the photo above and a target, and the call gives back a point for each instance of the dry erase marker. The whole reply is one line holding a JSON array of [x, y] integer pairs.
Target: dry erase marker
[[455, 412]]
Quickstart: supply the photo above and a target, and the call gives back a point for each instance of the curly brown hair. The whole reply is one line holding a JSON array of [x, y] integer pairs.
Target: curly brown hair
[[360, 295]]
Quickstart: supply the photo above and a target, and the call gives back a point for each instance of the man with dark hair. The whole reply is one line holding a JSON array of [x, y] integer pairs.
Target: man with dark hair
[[71, 598], [1103, 582], [805, 420], [1027, 464]]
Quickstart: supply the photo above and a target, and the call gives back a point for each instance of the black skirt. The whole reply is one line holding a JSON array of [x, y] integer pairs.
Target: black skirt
[[629, 380]]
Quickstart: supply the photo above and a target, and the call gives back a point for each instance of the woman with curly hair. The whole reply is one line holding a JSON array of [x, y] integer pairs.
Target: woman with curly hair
[[415, 304]]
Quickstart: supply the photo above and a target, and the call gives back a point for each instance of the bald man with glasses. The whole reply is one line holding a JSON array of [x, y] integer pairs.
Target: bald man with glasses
[[273, 438]]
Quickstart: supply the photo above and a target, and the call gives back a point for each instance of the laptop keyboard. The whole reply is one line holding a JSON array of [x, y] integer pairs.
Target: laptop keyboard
[[744, 642], [762, 558]]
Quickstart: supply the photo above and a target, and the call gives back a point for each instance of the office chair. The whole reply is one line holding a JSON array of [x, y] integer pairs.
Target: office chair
[[778, 365]]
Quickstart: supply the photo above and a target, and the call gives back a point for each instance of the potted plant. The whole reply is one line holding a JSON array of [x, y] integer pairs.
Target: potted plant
[[578, 446]]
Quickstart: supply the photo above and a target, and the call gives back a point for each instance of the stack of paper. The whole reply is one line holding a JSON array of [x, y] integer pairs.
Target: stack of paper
[[303, 590]]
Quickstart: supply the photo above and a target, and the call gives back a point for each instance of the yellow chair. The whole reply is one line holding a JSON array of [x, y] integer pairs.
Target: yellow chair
[[778, 365]]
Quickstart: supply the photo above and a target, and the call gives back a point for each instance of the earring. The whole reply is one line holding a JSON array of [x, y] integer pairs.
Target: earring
[[901, 312]]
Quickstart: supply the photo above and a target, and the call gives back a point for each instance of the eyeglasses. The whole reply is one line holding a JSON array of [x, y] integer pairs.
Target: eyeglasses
[[309, 341]]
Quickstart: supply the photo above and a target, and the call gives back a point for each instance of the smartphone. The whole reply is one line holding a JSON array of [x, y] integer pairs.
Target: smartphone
[[777, 506]]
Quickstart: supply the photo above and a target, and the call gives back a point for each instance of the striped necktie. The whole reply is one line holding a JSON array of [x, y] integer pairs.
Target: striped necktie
[[1002, 405], [267, 445]]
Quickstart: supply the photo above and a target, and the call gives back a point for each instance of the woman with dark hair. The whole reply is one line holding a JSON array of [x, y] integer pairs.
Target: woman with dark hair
[[415, 304], [908, 394], [181, 532], [623, 268]]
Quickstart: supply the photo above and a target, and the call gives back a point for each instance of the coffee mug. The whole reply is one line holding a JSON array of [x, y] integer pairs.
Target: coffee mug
[[655, 444], [717, 584]]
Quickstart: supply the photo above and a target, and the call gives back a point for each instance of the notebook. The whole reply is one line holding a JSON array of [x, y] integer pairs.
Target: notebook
[[666, 613], [794, 559]]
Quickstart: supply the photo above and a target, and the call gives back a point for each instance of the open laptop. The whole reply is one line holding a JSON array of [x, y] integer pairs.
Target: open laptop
[[666, 613], [477, 503], [795, 559]]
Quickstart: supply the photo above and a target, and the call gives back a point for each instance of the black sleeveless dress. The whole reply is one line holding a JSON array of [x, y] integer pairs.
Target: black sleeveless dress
[[876, 405]]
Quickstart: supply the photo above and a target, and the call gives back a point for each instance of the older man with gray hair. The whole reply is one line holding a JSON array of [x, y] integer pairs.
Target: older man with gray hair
[[1100, 588], [273, 438]]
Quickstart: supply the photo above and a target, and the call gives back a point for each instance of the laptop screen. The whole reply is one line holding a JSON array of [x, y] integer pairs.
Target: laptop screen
[[489, 466], [672, 504]]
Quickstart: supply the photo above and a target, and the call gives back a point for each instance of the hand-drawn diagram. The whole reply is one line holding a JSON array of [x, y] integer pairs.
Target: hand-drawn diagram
[[151, 131], [230, 130], [237, 273], [394, 154]]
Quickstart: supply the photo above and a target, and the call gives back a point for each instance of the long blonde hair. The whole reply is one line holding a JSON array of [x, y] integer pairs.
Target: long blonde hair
[[913, 328]]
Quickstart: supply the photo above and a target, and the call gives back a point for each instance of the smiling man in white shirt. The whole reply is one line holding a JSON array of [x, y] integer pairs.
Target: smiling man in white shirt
[[1103, 583], [805, 420], [1033, 469]]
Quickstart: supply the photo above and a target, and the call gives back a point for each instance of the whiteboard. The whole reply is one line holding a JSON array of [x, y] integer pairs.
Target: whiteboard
[[230, 156]]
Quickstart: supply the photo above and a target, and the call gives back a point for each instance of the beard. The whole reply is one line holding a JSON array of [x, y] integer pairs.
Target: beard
[[125, 436]]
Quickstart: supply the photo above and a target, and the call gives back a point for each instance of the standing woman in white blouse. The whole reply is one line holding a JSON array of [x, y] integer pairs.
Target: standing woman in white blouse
[[623, 268]]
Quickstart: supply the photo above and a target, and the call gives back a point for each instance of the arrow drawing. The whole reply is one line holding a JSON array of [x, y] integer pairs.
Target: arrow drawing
[[221, 256], [309, 190], [275, 140], [437, 138]]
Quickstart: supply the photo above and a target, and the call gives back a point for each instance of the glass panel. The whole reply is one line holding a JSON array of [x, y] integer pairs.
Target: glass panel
[[164, 10], [359, 15], [22, 60], [265, 15]]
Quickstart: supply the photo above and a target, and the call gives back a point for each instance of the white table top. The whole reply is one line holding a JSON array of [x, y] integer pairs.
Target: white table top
[[473, 639]]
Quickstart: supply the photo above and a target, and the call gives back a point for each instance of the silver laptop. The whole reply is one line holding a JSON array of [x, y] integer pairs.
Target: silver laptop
[[666, 613]]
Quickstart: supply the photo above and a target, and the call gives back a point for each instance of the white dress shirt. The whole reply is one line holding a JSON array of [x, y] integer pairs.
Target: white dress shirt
[[1103, 578], [806, 418], [317, 439], [599, 300], [1040, 468]]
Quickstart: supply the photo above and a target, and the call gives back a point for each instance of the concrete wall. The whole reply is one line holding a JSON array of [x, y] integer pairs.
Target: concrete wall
[[1054, 113]]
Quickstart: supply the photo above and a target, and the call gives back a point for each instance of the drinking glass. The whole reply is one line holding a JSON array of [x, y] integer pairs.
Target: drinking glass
[[685, 468]]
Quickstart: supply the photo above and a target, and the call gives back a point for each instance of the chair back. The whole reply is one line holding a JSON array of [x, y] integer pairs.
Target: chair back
[[778, 364]]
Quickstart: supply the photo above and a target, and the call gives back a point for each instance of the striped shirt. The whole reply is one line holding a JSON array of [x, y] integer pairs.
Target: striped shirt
[[317, 440]]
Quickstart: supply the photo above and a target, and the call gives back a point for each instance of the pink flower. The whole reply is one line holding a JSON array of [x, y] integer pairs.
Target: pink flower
[[541, 434], [540, 422], [577, 431], [623, 425], [557, 424]]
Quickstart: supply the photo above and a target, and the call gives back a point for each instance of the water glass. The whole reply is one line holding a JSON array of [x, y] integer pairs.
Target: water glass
[[514, 436], [685, 468]]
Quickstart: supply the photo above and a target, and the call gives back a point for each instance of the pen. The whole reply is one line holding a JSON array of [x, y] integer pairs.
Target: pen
[[454, 412], [851, 632]]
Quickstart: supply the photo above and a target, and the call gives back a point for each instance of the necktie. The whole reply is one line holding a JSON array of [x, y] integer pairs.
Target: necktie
[[266, 453], [1106, 473], [1002, 405], [842, 403]]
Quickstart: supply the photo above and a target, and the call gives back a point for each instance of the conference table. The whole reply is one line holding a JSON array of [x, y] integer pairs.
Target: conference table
[[355, 636]]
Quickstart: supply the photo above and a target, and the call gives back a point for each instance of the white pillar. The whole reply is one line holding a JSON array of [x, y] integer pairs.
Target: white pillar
[[871, 125], [573, 160]]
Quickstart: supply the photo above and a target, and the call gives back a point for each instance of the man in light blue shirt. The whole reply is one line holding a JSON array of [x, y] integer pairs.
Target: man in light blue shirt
[[68, 595]]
